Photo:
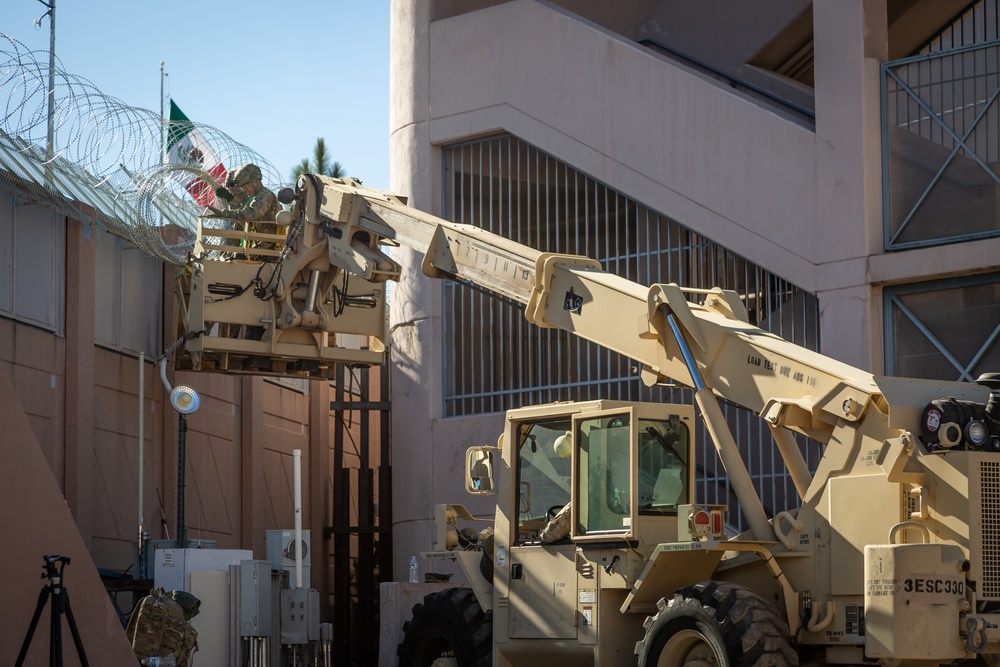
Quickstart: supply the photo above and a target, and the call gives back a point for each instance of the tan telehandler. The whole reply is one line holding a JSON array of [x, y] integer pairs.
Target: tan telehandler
[[598, 553]]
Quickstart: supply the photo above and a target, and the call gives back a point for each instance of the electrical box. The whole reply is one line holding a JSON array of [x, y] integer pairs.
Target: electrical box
[[281, 553], [147, 564], [255, 598], [213, 622], [265, 649], [299, 616], [174, 566]]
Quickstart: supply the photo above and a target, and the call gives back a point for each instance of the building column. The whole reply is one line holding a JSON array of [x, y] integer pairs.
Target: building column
[[79, 399], [252, 500], [415, 305], [851, 42]]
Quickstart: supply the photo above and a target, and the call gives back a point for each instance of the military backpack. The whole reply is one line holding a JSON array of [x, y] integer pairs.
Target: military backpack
[[160, 627]]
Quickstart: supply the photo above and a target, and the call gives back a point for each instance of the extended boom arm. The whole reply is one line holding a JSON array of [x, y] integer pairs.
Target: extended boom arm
[[329, 279]]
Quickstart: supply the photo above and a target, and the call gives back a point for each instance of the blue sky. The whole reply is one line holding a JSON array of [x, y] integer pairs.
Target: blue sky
[[272, 75]]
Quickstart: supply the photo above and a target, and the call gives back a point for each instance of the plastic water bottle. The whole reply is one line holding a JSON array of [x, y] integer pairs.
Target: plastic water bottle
[[157, 661], [413, 570]]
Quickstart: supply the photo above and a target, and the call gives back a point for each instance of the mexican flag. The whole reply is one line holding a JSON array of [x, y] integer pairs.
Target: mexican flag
[[187, 145]]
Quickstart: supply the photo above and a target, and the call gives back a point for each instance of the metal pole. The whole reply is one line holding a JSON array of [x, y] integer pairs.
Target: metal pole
[[163, 139], [181, 456], [142, 400], [297, 491], [50, 137]]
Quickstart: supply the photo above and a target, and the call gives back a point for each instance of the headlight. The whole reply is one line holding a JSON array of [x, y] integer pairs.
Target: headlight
[[976, 433], [950, 435]]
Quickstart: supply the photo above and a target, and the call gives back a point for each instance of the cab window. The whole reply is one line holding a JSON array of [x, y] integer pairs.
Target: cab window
[[543, 475], [603, 470], [664, 448], [605, 475]]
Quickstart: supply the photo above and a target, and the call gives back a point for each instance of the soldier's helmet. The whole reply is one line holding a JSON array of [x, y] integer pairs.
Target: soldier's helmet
[[244, 175]]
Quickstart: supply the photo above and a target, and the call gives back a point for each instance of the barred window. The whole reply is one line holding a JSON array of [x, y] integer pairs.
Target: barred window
[[494, 360], [943, 329], [940, 114]]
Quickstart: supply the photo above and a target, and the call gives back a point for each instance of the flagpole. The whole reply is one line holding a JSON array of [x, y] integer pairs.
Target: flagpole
[[163, 141], [163, 131]]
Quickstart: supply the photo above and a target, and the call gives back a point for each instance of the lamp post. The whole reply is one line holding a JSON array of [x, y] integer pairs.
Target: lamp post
[[185, 401]]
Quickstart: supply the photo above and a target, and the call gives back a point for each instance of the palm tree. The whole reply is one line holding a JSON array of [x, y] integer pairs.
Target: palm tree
[[320, 164]]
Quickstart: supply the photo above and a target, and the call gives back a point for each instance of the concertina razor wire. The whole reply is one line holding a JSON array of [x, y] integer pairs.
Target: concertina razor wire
[[106, 154]]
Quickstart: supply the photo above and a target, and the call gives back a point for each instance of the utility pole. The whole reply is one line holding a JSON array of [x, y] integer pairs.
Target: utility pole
[[50, 135]]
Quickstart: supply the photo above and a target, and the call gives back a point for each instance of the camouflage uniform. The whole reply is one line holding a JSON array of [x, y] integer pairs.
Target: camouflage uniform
[[259, 210], [227, 199]]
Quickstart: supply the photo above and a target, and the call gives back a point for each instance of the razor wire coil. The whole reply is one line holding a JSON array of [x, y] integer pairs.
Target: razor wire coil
[[106, 154]]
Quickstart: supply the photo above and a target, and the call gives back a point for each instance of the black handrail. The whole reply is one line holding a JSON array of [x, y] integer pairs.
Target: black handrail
[[733, 81]]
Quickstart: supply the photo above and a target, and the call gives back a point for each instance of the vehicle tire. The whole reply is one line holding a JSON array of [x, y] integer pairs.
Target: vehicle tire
[[486, 567], [486, 561], [715, 623], [448, 624]]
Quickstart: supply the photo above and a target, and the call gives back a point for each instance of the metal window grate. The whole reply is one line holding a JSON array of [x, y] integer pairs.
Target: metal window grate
[[495, 361], [979, 23], [989, 472], [921, 339], [940, 144]]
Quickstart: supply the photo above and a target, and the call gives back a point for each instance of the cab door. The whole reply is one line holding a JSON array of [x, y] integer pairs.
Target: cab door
[[543, 596], [542, 588], [632, 471]]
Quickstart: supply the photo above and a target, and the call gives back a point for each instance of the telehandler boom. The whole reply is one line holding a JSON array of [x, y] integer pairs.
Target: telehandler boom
[[598, 552]]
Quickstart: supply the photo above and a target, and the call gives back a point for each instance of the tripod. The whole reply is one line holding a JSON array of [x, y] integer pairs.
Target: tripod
[[53, 571]]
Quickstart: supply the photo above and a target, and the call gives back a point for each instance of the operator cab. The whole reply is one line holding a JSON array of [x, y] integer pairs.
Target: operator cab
[[601, 475]]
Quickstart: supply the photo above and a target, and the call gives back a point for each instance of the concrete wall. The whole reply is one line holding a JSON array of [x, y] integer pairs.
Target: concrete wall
[[37, 524], [801, 202], [620, 16], [668, 137]]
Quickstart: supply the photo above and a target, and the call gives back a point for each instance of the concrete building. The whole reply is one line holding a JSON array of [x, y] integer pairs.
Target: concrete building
[[835, 161]]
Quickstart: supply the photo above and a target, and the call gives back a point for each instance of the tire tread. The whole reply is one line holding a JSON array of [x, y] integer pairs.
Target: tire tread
[[754, 634], [454, 615]]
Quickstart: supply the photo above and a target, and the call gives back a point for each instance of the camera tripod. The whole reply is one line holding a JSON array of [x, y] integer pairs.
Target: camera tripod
[[53, 571]]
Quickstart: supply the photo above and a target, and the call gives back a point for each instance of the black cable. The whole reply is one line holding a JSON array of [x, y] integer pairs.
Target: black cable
[[340, 295], [261, 291], [190, 335]]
